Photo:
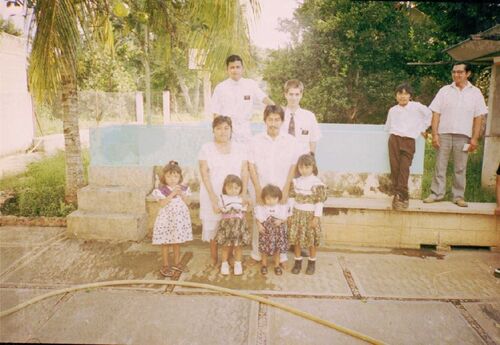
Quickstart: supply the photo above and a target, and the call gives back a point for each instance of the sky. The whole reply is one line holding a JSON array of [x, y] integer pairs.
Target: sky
[[264, 32]]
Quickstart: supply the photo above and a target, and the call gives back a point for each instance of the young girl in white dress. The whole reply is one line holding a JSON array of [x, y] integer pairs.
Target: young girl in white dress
[[307, 195], [232, 231], [173, 223]]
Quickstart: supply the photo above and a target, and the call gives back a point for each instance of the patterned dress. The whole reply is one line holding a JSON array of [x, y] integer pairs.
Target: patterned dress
[[274, 239], [307, 196], [232, 229], [173, 223]]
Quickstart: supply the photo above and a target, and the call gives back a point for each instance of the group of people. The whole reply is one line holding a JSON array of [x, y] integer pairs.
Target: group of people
[[273, 175]]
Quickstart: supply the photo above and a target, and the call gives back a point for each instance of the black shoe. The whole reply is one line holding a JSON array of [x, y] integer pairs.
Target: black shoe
[[310, 267], [297, 266]]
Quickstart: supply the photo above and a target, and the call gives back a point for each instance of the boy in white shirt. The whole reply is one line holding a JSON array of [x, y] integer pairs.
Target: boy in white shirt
[[300, 123], [405, 122]]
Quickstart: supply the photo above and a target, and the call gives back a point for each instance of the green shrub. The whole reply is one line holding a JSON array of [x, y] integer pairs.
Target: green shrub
[[40, 190]]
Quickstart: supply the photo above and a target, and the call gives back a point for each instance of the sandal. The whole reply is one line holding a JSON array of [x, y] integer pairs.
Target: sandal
[[278, 271], [166, 271], [180, 268], [263, 270]]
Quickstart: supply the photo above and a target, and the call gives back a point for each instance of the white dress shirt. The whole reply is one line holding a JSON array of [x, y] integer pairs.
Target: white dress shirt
[[235, 99], [278, 211], [273, 158], [458, 108], [408, 121], [306, 128]]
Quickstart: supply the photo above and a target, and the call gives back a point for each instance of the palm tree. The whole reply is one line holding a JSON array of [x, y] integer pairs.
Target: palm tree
[[60, 26]]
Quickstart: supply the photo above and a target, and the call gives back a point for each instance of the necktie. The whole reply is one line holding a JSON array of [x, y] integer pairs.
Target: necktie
[[291, 127]]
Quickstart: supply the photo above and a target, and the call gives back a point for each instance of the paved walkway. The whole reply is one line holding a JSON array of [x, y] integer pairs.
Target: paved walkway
[[397, 296]]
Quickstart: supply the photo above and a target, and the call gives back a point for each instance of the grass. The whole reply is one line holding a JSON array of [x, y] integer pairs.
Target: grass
[[473, 190], [39, 191]]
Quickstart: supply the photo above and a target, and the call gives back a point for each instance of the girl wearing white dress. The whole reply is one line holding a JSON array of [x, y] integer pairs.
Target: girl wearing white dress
[[173, 223]]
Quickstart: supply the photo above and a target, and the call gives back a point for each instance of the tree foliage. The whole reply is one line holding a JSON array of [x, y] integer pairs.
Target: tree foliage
[[351, 55]]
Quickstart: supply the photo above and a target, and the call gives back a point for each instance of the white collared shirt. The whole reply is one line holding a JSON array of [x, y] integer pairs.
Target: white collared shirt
[[458, 108], [273, 158], [306, 128], [408, 121], [235, 99], [278, 211]]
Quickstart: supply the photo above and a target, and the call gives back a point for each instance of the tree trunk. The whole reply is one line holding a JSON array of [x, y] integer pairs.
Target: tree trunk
[[196, 96], [72, 146], [147, 72], [185, 93]]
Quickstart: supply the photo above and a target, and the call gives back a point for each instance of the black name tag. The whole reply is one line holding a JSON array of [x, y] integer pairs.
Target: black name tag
[[246, 97], [305, 132]]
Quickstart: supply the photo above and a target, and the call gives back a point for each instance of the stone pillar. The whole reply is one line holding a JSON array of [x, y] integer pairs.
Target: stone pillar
[[491, 156], [139, 108], [166, 107]]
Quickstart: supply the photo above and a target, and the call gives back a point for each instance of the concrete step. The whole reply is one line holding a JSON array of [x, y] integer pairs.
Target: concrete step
[[107, 226], [125, 176], [112, 199]]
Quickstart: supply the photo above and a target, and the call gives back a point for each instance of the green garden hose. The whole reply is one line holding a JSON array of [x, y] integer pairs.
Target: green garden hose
[[289, 309]]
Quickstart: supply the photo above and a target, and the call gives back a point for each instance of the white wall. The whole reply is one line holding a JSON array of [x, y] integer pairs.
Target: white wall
[[16, 112]]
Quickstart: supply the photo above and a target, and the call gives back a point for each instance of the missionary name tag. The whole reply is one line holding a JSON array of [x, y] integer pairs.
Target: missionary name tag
[[246, 97], [305, 132]]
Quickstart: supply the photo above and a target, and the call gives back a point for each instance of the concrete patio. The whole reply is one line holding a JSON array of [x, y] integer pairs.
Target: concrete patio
[[399, 296]]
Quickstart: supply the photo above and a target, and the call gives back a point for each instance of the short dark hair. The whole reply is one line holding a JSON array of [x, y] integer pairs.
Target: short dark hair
[[274, 109], [231, 179], [467, 66], [272, 191], [307, 160], [171, 167], [404, 87], [222, 119], [233, 58]]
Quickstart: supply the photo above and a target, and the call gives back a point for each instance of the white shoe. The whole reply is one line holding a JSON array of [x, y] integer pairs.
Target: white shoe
[[238, 269], [224, 268]]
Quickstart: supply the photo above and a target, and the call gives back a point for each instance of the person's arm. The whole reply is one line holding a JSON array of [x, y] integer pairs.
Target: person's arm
[[168, 199], [426, 119], [205, 178], [476, 132], [186, 196], [254, 176], [286, 187], [435, 126]]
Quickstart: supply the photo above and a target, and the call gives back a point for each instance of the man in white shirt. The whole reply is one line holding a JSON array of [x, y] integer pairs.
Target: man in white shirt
[[457, 115], [300, 123], [234, 97], [273, 156]]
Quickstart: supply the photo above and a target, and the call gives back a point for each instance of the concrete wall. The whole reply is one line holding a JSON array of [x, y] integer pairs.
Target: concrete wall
[[353, 159], [16, 113], [491, 157]]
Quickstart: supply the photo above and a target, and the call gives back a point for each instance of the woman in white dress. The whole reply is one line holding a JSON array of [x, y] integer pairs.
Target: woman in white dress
[[217, 159]]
